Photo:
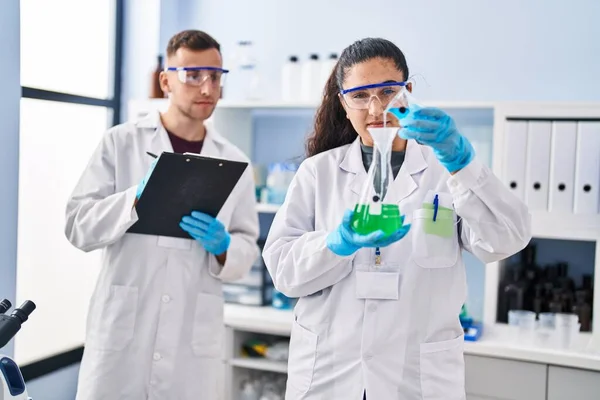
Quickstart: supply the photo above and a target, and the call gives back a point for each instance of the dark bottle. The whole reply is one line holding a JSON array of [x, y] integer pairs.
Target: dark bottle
[[564, 281], [539, 301], [556, 305], [512, 295], [587, 281], [583, 309], [155, 90], [531, 274]]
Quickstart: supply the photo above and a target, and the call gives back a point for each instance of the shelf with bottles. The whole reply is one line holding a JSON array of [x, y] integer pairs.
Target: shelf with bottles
[[549, 276], [254, 359]]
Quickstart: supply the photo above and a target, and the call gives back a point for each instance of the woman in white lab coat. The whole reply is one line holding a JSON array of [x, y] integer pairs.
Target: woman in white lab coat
[[381, 316]]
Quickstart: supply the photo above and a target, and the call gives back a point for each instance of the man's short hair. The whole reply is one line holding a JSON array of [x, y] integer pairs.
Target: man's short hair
[[192, 40]]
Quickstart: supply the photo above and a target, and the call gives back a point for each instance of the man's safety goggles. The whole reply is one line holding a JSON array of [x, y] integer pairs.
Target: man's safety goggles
[[197, 76]]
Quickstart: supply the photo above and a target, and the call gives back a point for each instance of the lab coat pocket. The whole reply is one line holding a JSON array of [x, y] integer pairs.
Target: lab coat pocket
[[208, 328], [302, 357], [434, 250], [443, 370], [114, 326]]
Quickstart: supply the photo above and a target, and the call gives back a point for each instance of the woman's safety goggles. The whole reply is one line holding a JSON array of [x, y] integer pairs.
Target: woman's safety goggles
[[360, 97], [197, 76]]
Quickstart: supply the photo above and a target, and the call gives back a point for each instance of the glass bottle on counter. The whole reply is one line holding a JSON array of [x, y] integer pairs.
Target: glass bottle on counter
[[583, 310]]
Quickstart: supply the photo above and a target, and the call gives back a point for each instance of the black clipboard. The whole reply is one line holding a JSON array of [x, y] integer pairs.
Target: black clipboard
[[180, 184]]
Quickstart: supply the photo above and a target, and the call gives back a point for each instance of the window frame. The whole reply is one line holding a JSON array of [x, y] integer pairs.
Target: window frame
[[113, 103]]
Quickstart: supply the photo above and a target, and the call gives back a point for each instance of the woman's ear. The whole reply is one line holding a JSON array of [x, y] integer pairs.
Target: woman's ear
[[409, 87]]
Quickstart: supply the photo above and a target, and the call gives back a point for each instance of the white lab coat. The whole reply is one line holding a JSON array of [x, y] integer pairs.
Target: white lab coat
[[155, 324], [391, 329]]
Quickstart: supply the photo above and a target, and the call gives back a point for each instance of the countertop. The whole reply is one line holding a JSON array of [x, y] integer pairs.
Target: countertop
[[496, 341]]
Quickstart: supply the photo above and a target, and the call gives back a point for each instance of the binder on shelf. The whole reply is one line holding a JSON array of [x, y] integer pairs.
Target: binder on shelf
[[587, 169], [514, 157], [562, 166], [537, 173], [180, 184]]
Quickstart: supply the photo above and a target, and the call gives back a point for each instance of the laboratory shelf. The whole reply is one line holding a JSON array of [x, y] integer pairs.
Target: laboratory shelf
[[259, 364], [565, 226]]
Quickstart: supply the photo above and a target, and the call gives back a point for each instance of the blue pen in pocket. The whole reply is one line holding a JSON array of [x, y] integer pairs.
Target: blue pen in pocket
[[435, 207]]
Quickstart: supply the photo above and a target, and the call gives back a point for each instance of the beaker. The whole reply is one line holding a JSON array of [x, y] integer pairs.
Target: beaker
[[372, 213]]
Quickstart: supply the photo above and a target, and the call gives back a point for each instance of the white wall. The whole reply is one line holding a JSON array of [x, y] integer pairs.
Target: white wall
[[141, 47], [467, 50]]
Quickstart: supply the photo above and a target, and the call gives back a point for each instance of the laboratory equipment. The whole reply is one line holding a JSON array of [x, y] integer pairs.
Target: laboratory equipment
[[372, 213], [527, 285], [12, 385], [279, 177], [156, 91], [254, 289], [290, 80], [248, 78], [327, 67], [310, 79]]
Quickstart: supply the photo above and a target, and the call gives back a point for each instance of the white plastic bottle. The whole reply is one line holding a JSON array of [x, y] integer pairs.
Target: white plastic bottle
[[290, 80], [326, 68], [311, 74], [248, 71]]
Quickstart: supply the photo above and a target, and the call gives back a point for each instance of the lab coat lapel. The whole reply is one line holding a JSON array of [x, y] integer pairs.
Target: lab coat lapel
[[405, 183], [210, 147], [159, 139], [352, 163]]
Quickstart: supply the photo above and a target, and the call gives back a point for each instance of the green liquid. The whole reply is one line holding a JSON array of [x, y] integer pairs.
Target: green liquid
[[389, 221]]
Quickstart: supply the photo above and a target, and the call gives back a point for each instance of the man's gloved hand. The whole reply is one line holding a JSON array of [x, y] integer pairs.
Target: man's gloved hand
[[344, 241], [434, 128], [207, 230], [144, 181]]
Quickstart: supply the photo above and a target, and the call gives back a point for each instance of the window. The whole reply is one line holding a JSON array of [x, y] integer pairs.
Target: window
[[71, 52], [70, 78]]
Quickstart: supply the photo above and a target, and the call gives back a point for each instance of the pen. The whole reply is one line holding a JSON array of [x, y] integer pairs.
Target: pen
[[151, 154], [435, 207]]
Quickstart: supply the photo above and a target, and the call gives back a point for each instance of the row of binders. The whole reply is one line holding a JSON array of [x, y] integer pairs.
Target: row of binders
[[554, 166]]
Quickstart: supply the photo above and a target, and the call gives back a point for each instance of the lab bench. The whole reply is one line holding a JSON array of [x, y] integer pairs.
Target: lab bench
[[495, 367]]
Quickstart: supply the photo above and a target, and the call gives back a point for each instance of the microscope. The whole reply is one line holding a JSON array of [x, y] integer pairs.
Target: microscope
[[12, 385]]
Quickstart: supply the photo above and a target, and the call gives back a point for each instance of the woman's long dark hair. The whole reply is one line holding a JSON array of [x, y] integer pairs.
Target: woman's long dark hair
[[332, 128]]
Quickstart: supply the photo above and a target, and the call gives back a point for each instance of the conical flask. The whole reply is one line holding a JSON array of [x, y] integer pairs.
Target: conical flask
[[372, 213], [401, 105]]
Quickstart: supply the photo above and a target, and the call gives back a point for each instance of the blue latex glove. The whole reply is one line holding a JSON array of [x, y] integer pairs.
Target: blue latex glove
[[344, 241], [144, 181], [434, 128], [207, 230]]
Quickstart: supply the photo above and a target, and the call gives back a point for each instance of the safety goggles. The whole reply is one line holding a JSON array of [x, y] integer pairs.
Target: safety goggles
[[197, 76], [360, 97]]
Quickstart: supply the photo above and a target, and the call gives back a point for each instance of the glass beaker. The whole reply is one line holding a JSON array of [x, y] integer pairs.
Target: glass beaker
[[372, 214]]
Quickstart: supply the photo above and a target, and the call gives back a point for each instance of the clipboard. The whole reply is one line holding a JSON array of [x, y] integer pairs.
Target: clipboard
[[180, 184]]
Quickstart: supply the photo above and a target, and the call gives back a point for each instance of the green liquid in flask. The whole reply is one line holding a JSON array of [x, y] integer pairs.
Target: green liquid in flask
[[389, 221]]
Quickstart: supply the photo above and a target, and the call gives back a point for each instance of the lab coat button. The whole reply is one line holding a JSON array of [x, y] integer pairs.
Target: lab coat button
[[156, 356], [373, 307], [368, 356], [166, 299], [152, 382]]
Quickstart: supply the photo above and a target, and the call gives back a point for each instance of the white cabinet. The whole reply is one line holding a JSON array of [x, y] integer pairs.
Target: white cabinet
[[494, 378], [571, 383]]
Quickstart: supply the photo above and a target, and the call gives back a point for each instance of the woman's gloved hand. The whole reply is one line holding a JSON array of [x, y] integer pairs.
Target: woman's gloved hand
[[344, 241], [433, 127], [208, 231]]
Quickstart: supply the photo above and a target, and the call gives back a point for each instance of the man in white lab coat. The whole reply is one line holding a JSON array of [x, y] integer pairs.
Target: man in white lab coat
[[155, 323]]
